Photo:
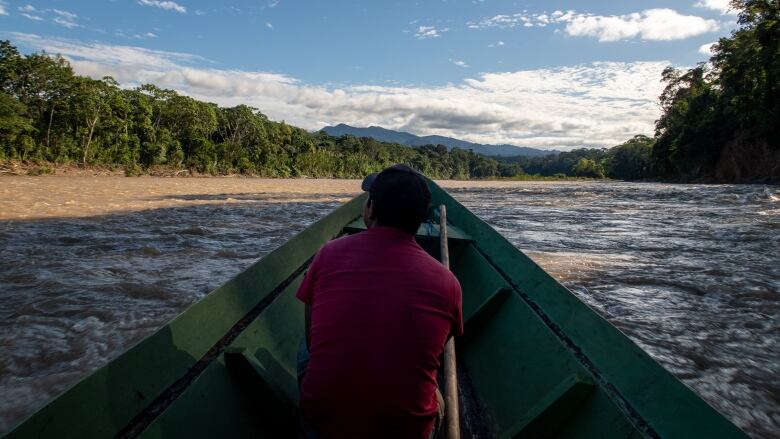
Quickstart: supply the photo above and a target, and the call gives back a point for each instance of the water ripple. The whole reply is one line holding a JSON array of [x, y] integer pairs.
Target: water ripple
[[691, 273]]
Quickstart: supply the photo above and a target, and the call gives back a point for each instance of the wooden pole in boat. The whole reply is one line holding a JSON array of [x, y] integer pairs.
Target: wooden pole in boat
[[452, 411]]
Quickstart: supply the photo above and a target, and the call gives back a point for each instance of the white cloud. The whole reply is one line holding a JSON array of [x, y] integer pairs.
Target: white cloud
[[66, 23], [61, 17], [424, 32], [65, 14], [521, 19], [199, 12], [107, 54], [599, 104], [502, 21], [167, 5], [706, 49], [721, 6], [496, 44], [65, 18], [459, 63], [3, 11], [273, 3], [651, 24], [269, 25], [32, 17], [135, 36], [29, 12]]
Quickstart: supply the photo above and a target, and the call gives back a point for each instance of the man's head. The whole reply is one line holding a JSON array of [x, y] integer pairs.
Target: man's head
[[398, 198]]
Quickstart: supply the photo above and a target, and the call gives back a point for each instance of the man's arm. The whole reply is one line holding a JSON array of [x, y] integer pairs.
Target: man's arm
[[307, 327], [305, 294]]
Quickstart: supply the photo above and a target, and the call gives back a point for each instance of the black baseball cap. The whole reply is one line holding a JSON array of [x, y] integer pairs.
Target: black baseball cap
[[370, 178], [400, 195]]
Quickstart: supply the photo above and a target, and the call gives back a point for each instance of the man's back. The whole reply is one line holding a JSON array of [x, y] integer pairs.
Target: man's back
[[382, 310]]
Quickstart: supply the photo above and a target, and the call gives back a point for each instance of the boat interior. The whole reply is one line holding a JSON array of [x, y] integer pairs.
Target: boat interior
[[516, 378]]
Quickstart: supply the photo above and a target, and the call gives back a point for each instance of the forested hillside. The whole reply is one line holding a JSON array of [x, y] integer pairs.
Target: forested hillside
[[721, 120], [50, 114], [628, 161]]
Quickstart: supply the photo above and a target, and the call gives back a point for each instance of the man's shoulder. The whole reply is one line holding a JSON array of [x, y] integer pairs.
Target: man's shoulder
[[334, 249], [444, 272], [433, 268], [342, 243]]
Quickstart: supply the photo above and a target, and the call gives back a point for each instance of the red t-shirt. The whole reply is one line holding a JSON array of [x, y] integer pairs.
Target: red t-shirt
[[382, 310]]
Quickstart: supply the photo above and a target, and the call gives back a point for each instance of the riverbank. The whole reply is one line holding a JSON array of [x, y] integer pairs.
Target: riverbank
[[34, 169], [69, 195], [20, 168]]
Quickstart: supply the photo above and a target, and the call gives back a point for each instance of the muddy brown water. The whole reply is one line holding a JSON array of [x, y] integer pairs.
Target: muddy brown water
[[91, 265]]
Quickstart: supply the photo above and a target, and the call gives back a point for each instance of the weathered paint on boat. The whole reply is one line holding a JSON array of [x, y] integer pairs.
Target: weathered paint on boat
[[534, 360]]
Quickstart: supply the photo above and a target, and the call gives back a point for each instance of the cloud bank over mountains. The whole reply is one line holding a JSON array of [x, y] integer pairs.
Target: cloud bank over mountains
[[596, 104]]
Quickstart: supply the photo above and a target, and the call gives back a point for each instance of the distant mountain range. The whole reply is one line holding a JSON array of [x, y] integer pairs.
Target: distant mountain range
[[408, 139]]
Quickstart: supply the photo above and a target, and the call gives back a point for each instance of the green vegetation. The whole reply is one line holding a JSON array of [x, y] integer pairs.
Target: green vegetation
[[49, 114], [628, 161], [720, 122]]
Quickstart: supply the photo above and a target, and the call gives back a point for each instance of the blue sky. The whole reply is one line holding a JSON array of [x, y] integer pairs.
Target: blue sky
[[550, 74]]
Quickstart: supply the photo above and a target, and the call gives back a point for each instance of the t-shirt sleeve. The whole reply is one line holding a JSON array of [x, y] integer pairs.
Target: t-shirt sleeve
[[305, 292], [457, 322]]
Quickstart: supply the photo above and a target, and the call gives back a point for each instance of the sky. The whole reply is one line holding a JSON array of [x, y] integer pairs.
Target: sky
[[546, 74]]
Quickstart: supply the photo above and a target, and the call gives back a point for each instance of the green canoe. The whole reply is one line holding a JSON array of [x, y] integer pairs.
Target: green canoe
[[534, 360]]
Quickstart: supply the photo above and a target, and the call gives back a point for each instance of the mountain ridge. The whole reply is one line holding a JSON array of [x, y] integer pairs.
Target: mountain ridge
[[412, 140]]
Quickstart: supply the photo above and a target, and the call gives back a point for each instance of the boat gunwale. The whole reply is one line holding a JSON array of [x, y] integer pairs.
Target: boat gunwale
[[636, 405]]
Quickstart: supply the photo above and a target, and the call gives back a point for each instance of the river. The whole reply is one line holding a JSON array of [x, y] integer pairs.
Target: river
[[91, 265]]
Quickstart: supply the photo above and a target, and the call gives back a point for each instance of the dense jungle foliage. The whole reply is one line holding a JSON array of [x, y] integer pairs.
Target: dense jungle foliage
[[50, 114], [721, 120], [628, 161]]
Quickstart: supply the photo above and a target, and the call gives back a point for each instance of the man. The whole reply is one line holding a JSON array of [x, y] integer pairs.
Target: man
[[378, 312]]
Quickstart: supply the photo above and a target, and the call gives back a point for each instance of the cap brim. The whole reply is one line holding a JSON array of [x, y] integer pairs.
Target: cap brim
[[368, 181]]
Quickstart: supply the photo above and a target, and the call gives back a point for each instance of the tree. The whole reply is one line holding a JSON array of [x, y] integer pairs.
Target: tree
[[13, 125], [630, 160], [10, 66], [90, 102], [723, 122], [588, 168]]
